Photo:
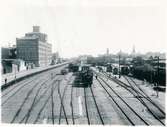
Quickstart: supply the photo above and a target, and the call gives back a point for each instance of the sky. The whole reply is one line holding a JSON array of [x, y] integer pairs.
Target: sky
[[76, 27]]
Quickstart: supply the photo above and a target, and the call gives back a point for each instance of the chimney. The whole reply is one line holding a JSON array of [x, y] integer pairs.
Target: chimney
[[36, 28]]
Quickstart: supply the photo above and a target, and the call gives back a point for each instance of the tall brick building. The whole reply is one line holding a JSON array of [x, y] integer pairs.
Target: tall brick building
[[33, 48]]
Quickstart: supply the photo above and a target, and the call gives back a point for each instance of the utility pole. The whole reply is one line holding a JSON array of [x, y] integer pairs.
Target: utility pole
[[158, 69], [157, 75], [119, 66], [15, 72]]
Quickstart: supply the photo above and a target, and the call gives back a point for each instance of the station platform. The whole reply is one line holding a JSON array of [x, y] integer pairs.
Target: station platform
[[12, 77]]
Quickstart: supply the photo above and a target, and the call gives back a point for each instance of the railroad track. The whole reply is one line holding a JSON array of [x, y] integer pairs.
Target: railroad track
[[72, 107], [144, 94], [129, 119], [15, 92], [61, 97], [23, 103], [6, 91], [51, 98], [100, 116], [144, 103], [62, 102], [140, 92], [86, 107], [18, 87], [130, 109], [52, 103], [138, 95], [33, 101], [46, 101]]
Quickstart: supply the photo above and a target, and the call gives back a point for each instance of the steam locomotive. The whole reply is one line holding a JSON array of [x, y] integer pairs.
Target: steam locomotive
[[84, 76]]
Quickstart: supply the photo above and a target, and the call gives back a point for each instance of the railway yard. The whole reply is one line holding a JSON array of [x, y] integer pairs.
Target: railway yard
[[52, 98]]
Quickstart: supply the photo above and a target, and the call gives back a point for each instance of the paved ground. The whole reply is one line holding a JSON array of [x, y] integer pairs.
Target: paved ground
[[50, 98], [15, 75]]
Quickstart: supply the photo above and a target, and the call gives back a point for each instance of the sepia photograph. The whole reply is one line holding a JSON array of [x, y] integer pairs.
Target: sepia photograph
[[83, 62]]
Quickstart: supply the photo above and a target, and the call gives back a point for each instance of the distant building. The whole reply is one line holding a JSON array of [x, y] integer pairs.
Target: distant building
[[12, 65], [8, 52], [55, 58], [154, 54], [9, 63], [33, 48], [5, 53]]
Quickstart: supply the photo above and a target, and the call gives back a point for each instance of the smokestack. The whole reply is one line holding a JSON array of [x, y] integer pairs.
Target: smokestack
[[36, 28]]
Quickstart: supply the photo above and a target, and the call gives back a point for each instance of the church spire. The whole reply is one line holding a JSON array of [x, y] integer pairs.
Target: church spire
[[133, 51], [107, 53]]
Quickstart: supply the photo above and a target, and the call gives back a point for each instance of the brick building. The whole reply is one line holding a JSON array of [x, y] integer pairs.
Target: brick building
[[33, 48]]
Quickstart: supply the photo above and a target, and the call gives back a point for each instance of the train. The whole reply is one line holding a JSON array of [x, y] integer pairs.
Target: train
[[84, 77], [115, 71], [150, 74], [72, 67], [109, 68], [124, 70], [64, 71]]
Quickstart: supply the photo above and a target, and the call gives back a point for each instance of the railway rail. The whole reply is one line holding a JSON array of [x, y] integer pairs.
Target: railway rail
[[52, 103], [18, 87], [116, 102], [72, 107], [62, 107], [143, 94], [86, 107], [47, 98], [36, 101], [138, 95], [131, 122], [27, 115], [46, 101], [100, 116], [140, 92]]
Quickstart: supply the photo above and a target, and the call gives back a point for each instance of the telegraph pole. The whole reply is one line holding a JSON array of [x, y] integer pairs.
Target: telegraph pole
[[119, 66], [15, 72], [157, 75], [158, 68]]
